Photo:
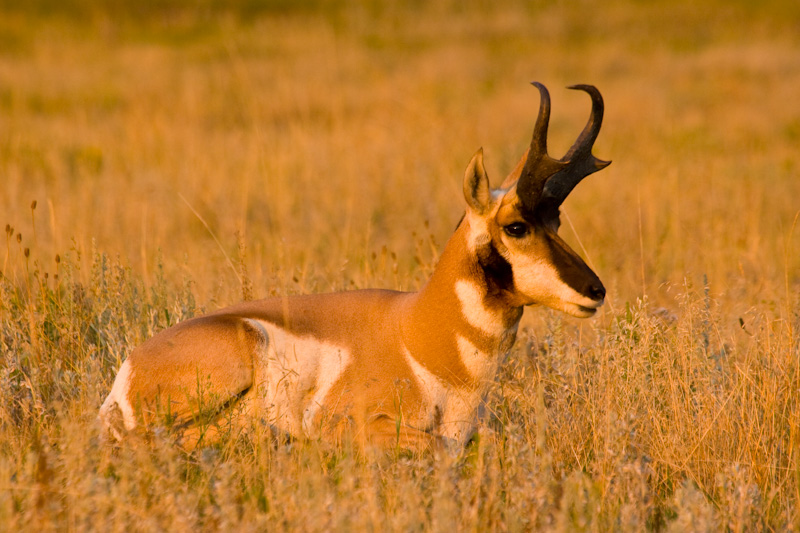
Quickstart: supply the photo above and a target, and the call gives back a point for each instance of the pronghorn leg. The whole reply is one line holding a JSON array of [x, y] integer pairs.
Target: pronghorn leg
[[226, 420]]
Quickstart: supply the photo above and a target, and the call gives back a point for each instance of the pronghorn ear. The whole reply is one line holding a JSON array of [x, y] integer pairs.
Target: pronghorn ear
[[476, 185]]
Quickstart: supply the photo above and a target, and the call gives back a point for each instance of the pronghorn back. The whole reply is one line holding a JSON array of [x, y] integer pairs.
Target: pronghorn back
[[383, 367]]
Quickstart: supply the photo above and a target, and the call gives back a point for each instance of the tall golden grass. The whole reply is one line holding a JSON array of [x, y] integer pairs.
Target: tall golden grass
[[182, 158]]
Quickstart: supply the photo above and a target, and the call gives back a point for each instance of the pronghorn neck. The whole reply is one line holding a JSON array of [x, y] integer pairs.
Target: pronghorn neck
[[463, 319], [479, 275]]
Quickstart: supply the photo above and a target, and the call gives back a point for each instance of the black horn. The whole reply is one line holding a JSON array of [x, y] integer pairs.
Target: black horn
[[579, 161], [539, 166]]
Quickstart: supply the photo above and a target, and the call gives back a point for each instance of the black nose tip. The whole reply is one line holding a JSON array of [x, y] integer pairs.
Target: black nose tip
[[597, 292]]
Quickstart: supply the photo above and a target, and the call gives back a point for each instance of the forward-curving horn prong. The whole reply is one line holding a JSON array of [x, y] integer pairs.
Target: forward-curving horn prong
[[579, 161]]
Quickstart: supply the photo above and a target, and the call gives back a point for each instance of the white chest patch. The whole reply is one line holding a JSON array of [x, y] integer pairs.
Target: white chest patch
[[458, 409], [475, 311], [480, 364]]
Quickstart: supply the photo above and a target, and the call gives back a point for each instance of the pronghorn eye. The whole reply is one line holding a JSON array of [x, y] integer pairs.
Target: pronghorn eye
[[516, 229]]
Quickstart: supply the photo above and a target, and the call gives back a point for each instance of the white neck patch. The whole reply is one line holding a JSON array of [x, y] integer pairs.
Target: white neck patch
[[475, 311]]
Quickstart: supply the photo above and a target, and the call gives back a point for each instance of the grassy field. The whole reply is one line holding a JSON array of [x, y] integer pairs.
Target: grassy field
[[161, 160]]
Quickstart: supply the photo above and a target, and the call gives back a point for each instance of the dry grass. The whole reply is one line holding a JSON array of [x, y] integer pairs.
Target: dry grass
[[182, 159]]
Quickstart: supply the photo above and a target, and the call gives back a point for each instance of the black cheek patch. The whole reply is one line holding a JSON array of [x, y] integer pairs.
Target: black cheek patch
[[497, 270]]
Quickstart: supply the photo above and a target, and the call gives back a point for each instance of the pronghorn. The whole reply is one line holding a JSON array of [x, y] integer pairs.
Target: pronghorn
[[386, 368]]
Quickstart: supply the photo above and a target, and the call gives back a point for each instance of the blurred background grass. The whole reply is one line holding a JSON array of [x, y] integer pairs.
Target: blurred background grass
[[324, 132], [185, 155]]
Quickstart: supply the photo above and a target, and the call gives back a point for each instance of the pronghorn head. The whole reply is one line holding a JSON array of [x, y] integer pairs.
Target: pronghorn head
[[513, 230]]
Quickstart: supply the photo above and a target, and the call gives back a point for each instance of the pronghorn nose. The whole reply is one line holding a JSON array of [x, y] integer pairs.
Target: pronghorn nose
[[597, 292]]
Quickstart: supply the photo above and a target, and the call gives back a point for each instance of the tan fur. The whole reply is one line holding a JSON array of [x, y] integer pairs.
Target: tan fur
[[380, 367]]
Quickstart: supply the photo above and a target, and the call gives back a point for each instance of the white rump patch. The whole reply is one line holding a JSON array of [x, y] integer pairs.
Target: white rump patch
[[119, 397]]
